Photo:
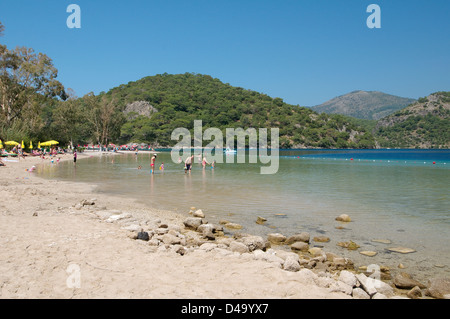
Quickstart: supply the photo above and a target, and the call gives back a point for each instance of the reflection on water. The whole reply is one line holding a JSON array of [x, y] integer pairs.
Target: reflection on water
[[397, 195]]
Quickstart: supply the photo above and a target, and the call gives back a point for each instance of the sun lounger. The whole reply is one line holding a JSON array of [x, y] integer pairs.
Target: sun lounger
[[9, 154]]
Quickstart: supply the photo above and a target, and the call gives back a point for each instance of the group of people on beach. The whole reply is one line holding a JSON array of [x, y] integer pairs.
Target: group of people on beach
[[16, 151]]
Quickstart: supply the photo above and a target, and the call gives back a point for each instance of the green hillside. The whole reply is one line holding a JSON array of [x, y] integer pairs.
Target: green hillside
[[178, 100], [424, 124]]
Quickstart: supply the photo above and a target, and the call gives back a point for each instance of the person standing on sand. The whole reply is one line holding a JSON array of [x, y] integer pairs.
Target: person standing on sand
[[74, 156], [188, 164], [152, 163]]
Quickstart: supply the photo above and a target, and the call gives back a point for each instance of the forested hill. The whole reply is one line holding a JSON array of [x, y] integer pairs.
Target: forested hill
[[171, 101], [424, 124]]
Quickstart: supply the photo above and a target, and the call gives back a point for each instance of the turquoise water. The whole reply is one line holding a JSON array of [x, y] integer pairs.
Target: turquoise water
[[400, 195]]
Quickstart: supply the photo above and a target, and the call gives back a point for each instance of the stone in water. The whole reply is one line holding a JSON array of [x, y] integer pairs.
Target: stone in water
[[368, 253], [383, 241], [402, 250]]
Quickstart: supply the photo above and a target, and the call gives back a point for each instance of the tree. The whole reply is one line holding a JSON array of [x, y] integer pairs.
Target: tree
[[27, 79], [104, 116], [70, 123]]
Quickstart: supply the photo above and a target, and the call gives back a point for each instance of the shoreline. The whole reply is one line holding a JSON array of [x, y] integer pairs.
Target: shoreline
[[60, 242]]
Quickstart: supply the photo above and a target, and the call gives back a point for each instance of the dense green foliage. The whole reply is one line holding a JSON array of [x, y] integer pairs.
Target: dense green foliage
[[425, 124], [180, 99], [28, 85], [415, 131]]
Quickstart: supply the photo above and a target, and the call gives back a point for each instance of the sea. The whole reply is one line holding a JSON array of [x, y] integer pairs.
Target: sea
[[394, 197]]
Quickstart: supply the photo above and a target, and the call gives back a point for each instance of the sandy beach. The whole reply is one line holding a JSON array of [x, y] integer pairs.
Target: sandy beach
[[60, 240]]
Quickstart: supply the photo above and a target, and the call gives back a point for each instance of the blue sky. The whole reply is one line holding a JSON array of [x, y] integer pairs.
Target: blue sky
[[303, 51]]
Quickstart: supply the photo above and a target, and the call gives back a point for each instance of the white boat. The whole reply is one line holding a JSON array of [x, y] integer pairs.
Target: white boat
[[229, 151]]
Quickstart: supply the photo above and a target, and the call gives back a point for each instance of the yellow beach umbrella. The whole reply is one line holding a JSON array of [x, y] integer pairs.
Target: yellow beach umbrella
[[31, 145], [11, 143], [49, 143], [1, 145], [39, 145], [23, 146]]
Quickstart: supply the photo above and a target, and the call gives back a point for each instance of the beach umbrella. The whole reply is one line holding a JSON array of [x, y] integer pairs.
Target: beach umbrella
[[11, 143], [23, 146], [49, 143], [1, 145], [31, 145], [39, 145]]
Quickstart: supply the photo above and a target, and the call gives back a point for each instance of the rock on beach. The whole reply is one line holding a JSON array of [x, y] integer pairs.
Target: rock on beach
[[405, 281], [344, 218], [233, 226], [303, 237], [276, 238], [193, 222], [438, 288], [299, 246], [198, 213]]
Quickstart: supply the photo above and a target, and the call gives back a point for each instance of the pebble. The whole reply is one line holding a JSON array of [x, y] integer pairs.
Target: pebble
[[368, 253], [383, 241], [359, 293], [193, 222], [291, 264], [348, 278], [261, 220], [199, 213], [300, 246], [344, 218], [276, 238], [233, 226], [438, 288], [414, 293], [315, 251], [322, 239], [238, 247], [405, 281], [142, 235], [303, 237], [350, 245], [402, 250]]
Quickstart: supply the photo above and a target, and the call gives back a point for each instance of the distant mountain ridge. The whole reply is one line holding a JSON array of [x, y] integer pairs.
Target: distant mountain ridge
[[370, 105]]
